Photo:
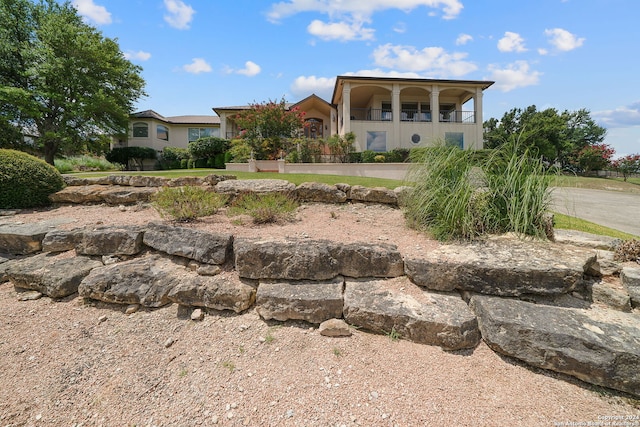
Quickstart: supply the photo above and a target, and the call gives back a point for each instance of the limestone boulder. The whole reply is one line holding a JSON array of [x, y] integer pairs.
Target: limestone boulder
[[233, 187], [313, 302], [62, 240], [402, 194], [220, 292], [504, 267], [314, 259], [614, 297], [319, 192], [125, 240], [22, 239], [434, 319], [122, 195], [214, 179], [373, 195], [146, 281], [147, 181], [181, 181], [334, 328], [630, 278], [202, 246], [118, 179], [597, 346], [80, 194], [53, 276], [587, 240]]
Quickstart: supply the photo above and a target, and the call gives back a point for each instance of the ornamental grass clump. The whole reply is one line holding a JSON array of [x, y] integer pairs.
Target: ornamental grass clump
[[187, 203], [264, 208], [458, 196]]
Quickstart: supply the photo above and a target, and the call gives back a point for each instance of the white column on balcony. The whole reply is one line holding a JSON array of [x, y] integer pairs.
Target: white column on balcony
[[395, 108], [477, 105], [435, 112], [346, 108], [223, 126]]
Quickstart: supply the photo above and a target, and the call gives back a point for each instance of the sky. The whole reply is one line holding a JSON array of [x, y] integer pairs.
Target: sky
[[562, 54]]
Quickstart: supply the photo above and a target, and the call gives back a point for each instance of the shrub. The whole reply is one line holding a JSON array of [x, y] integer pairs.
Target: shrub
[[172, 157], [26, 181], [368, 156], [397, 155], [204, 148], [187, 203], [84, 163], [240, 151], [454, 199], [264, 208], [127, 156], [380, 158]]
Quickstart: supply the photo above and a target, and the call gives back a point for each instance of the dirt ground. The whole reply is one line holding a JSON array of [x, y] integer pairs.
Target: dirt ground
[[73, 362]]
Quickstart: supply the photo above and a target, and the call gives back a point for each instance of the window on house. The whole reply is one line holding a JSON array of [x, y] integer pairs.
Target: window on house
[[140, 130], [162, 132], [377, 141], [409, 109], [454, 138], [313, 128], [197, 133]]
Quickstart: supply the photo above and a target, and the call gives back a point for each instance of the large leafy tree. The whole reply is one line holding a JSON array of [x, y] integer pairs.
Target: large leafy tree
[[553, 135], [60, 78], [269, 126]]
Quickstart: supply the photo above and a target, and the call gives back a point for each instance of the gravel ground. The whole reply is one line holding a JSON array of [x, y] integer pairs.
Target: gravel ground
[[72, 362]]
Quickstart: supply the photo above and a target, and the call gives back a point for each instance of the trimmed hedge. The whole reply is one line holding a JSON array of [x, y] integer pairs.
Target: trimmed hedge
[[26, 181]]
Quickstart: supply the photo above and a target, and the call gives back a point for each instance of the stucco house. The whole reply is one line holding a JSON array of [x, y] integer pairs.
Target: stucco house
[[383, 112], [150, 129]]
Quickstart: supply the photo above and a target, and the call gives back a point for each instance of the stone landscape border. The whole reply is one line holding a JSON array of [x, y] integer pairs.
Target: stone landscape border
[[529, 300]]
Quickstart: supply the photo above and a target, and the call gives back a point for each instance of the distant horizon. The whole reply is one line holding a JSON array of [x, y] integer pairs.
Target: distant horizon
[[562, 54]]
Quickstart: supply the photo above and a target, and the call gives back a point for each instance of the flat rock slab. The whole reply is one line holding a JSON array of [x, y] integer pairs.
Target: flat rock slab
[[22, 239], [62, 240], [630, 278], [261, 186], [98, 193], [315, 259], [588, 240], [53, 276], [597, 346], [320, 192], [201, 246], [146, 281], [373, 195], [220, 292], [504, 267], [126, 240], [434, 319], [313, 302]]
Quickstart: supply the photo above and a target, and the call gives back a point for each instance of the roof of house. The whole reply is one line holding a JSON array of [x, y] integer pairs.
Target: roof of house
[[182, 120]]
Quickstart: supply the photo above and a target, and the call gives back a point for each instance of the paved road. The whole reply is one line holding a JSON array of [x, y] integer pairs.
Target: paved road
[[612, 209]]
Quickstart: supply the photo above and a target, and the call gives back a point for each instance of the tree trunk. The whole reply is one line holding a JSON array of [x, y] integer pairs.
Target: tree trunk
[[50, 149]]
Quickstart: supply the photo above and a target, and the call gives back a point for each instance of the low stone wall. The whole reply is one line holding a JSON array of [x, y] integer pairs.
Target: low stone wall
[[370, 286], [371, 170]]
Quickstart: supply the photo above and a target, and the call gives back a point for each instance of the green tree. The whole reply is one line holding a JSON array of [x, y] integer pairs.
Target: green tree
[[268, 127], [553, 135], [627, 165], [61, 78]]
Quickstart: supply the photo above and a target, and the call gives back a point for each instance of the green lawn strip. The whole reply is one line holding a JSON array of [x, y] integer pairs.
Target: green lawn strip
[[612, 184], [295, 178], [572, 223]]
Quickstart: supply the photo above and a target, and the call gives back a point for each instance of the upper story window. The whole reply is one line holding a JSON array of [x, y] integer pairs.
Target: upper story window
[[197, 133], [162, 132], [140, 130]]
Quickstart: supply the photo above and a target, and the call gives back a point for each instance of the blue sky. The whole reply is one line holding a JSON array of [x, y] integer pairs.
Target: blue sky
[[564, 54]]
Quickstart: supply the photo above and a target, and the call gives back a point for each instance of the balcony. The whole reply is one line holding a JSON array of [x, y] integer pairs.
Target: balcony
[[373, 114]]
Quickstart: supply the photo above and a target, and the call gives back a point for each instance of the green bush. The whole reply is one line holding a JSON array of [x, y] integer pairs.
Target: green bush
[[368, 156], [204, 148], [187, 203], [184, 163], [458, 197], [84, 164], [128, 156], [172, 157], [380, 158], [264, 208], [240, 151], [26, 181], [200, 163]]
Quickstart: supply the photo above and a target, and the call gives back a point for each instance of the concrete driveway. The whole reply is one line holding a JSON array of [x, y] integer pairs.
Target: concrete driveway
[[613, 209]]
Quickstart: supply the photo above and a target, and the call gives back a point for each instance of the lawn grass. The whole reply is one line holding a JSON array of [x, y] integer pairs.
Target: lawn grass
[[572, 223], [612, 184], [295, 178]]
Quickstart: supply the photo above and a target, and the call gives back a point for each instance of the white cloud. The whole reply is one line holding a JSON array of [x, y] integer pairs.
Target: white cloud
[[340, 31], [139, 55], [624, 116], [180, 14], [516, 75], [511, 42], [197, 66], [542, 51], [463, 39], [400, 28], [359, 8], [321, 86], [563, 40], [250, 69], [434, 60], [92, 12]]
